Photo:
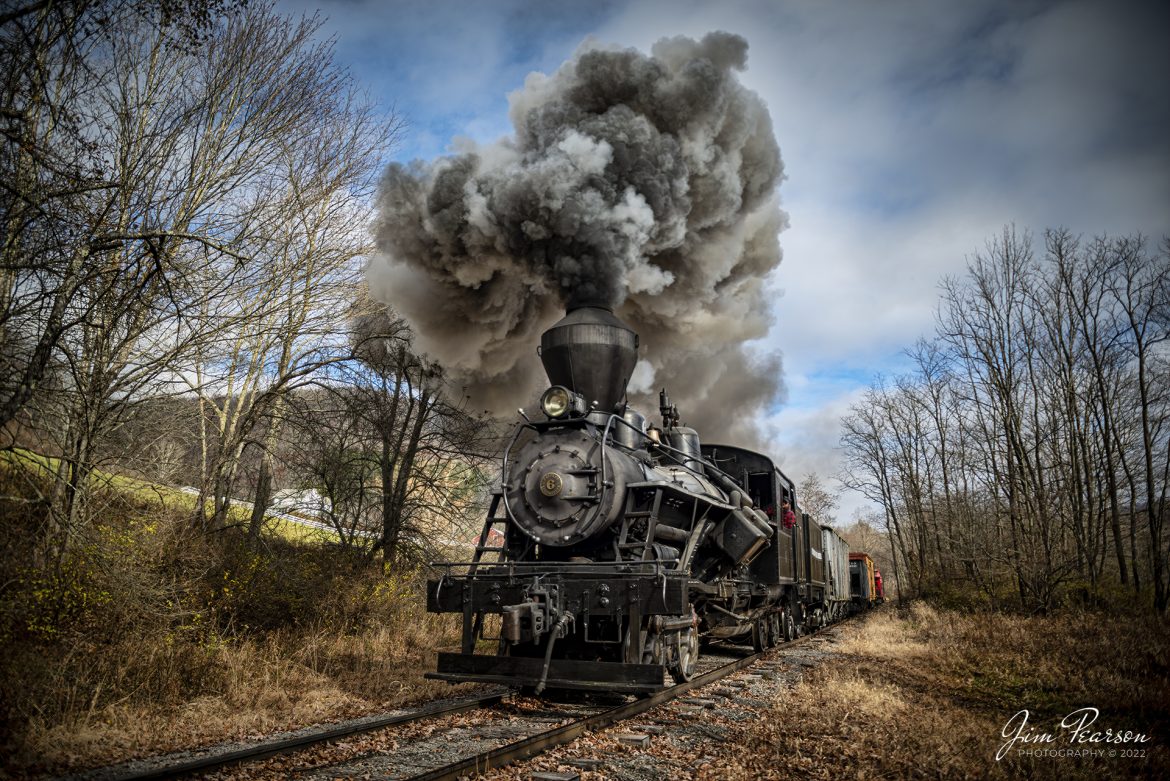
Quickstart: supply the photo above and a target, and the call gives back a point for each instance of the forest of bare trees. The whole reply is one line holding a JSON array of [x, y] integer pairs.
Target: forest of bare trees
[[1026, 455], [186, 192]]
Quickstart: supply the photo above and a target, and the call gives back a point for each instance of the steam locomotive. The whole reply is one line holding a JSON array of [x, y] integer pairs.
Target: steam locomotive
[[613, 547]]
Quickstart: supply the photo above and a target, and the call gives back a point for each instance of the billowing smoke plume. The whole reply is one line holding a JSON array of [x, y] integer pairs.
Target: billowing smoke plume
[[644, 184]]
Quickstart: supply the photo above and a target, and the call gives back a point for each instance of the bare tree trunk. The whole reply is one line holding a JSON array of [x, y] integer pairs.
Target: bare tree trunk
[[1142, 288], [263, 495]]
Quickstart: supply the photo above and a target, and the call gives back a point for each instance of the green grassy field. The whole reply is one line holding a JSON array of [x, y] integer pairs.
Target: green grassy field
[[167, 497]]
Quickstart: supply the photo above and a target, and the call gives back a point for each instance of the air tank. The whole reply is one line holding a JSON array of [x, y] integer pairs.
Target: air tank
[[631, 431], [686, 440]]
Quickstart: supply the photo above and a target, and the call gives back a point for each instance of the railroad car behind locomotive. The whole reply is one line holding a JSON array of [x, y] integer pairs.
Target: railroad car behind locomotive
[[624, 544], [865, 582]]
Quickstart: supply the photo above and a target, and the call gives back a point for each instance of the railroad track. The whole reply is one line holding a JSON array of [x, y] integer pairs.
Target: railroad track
[[211, 760], [499, 728]]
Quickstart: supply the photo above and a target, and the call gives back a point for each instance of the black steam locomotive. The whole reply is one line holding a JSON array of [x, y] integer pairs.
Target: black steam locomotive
[[613, 547]]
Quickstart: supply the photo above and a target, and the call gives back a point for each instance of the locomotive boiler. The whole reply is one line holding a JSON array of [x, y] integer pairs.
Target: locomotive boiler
[[613, 546]]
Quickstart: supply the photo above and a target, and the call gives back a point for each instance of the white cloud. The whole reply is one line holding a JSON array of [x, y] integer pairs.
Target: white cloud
[[911, 133]]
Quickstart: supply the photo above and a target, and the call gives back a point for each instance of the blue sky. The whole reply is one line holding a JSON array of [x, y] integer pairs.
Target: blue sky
[[911, 132]]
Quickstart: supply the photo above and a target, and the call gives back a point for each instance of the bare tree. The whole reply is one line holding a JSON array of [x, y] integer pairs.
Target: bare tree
[[403, 466], [817, 500], [869, 469], [284, 322], [63, 184], [1140, 285], [430, 451], [216, 242], [325, 444], [1035, 429]]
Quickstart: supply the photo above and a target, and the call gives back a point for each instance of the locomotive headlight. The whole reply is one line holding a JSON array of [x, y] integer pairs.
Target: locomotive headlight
[[560, 402], [556, 401]]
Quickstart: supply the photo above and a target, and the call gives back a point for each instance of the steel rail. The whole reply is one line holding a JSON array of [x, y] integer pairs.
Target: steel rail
[[272, 748], [537, 744]]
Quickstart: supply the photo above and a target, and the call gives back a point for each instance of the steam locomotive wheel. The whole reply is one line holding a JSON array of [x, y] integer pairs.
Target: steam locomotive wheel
[[789, 626], [765, 632], [652, 648], [775, 631], [686, 654]]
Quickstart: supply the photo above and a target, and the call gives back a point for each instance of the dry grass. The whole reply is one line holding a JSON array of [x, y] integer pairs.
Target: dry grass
[[145, 635], [287, 679], [926, 694]]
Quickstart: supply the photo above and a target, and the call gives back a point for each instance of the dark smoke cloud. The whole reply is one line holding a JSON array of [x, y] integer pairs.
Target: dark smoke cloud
[[642, 183]]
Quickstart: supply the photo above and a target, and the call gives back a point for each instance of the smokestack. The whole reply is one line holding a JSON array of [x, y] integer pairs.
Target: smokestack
[[592, 352]]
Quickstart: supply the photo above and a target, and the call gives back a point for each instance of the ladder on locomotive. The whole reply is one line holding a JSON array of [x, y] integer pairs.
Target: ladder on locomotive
[[482, 545], [631, 516], [473, 620]]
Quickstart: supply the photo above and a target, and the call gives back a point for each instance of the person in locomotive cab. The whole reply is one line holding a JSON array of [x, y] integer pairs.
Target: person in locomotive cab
[[787, 517]]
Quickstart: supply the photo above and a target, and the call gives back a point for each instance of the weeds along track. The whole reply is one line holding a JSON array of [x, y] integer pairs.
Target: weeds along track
[[217, 758], [445, 740]]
